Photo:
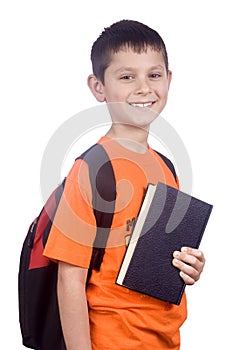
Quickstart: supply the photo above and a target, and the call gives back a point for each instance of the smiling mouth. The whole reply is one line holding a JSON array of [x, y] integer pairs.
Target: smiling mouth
[[142, 105]]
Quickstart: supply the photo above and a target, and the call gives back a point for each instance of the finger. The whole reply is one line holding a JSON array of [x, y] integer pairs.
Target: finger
[[196, 260], [195, 252], [187, 279], [188, 259], [187, 269]]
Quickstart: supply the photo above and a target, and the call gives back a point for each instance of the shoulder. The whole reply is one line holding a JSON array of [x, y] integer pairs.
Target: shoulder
[[84, 161], [168, 163]]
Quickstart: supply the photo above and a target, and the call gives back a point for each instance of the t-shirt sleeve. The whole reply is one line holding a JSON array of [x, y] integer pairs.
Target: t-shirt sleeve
[[74, 227]]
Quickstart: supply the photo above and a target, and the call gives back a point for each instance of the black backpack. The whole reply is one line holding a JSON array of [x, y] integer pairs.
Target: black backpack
[[37, 279], [38, 306]]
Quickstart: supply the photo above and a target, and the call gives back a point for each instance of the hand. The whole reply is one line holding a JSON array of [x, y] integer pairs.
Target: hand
[[190, 262]]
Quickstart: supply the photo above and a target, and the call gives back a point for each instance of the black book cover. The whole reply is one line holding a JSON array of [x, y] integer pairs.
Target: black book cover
[[168, 220]]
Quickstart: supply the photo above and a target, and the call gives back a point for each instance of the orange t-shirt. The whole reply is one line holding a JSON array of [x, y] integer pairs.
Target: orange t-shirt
[[120, 319]]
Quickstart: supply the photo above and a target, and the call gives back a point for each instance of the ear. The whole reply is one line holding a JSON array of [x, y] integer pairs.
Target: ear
[[169, 77], [96, 87]]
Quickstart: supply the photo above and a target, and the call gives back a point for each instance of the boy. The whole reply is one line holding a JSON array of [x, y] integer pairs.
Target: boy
[[131, 74]]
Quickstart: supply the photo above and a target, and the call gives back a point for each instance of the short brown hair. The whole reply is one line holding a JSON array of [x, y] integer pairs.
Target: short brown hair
[[125, 33]]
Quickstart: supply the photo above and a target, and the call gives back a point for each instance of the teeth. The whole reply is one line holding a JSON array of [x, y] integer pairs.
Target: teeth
[[148, 104]]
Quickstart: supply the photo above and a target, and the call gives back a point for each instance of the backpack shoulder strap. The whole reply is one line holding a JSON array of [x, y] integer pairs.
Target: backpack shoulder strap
[[168, 163], [103, 186]]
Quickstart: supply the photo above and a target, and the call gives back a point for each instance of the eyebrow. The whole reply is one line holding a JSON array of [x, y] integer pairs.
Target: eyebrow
[[129, 68]]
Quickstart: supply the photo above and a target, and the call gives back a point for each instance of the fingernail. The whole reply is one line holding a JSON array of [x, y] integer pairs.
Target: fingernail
[[184, 249], [176, 253]]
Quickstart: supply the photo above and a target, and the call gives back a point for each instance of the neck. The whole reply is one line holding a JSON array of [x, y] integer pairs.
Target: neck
[[130, 137]]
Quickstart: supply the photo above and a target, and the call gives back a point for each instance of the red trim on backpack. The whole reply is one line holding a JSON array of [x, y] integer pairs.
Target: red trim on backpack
[[37, 259]]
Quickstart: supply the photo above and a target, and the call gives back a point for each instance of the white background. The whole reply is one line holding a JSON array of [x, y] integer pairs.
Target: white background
[[45, 48]]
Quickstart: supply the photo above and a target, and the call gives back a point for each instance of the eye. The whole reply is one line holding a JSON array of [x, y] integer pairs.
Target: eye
[[155, 75], [126, 77]]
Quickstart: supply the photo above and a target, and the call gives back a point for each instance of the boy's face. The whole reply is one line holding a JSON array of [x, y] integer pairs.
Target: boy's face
[[140, 81]]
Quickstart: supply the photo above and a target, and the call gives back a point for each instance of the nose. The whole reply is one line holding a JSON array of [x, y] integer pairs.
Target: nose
[[143, 86]]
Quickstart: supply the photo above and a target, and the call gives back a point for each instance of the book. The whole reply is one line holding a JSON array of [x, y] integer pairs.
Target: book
[[168, 220]]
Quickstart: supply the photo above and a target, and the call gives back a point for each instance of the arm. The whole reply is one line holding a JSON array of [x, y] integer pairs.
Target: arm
[[191, 262], [71, 290]]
